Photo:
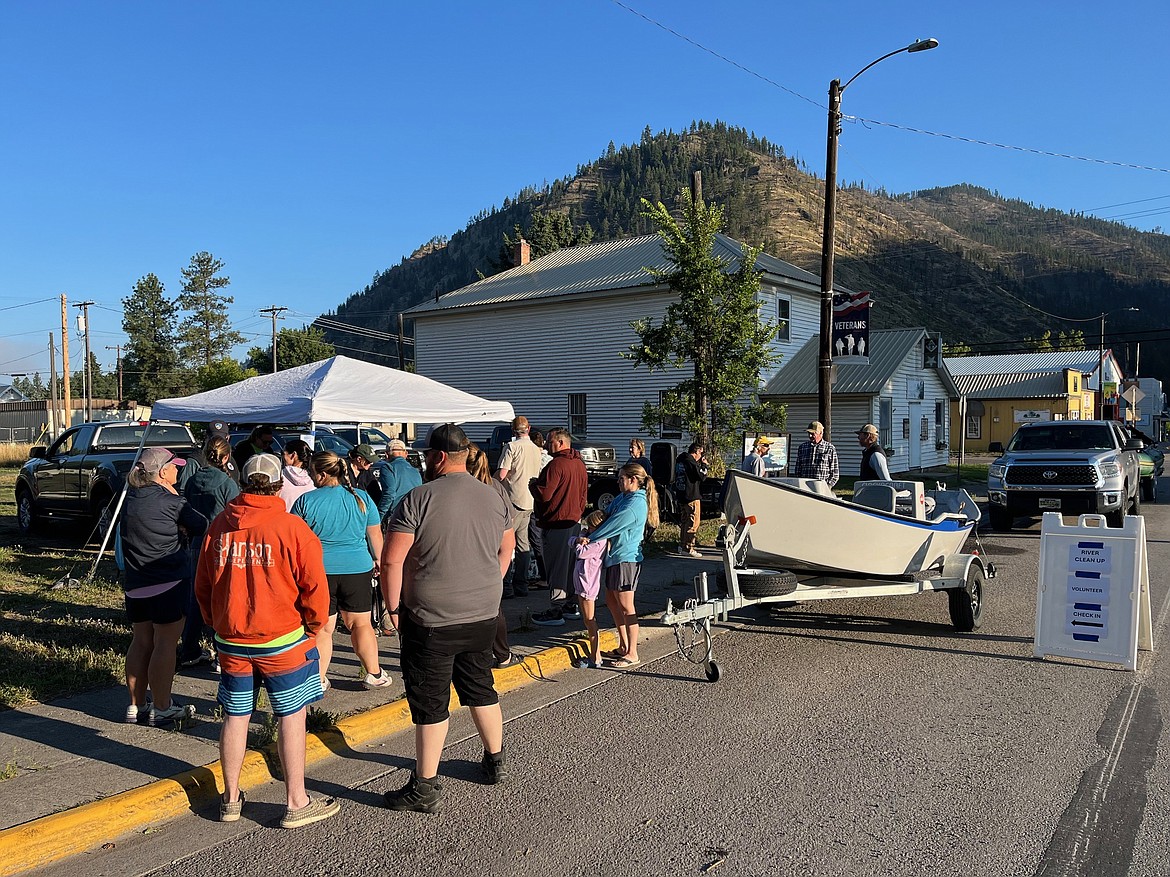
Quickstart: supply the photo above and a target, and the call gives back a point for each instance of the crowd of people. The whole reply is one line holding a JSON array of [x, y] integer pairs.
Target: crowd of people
[[261, 555]]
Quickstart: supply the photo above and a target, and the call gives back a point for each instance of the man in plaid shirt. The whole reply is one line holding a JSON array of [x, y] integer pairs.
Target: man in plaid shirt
[[817, 458]]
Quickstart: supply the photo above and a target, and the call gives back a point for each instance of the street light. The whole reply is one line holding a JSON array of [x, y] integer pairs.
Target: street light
[[1101, 364], [824, 385]]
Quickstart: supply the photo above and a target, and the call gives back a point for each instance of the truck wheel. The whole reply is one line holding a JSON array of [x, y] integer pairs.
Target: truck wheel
[[1000, 518], [27, 519], [966, 603], [1150, 489], [603, 494], [102, 515], [1117, 518], [757, 585]]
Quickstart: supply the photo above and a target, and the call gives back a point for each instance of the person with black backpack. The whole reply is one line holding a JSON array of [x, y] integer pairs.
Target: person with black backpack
[[689, 471]]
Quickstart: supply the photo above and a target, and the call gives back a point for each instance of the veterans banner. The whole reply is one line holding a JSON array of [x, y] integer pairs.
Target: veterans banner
[[851, 328]]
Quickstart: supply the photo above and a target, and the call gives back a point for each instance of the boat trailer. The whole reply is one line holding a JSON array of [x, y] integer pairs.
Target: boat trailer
[[960, 575]]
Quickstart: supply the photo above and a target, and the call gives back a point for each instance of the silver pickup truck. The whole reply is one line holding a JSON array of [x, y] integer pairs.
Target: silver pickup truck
[[1069, 466]]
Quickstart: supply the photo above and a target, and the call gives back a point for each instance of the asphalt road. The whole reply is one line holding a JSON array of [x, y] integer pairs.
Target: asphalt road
[[860, 737]]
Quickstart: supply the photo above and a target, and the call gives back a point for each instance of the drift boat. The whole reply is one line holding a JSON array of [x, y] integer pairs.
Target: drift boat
[[892, 528]]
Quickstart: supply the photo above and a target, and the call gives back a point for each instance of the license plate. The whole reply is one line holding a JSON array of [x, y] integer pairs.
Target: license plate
[[1050, 504]]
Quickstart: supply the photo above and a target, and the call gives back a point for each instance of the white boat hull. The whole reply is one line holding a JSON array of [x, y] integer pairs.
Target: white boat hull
[[799, 530]]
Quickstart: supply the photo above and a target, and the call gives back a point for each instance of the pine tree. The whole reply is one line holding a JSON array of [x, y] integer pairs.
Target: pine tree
[[206, 335], [713, 330], [294, 347], [150, 366]]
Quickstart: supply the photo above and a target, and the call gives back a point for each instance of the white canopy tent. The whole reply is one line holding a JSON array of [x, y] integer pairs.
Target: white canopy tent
[[339, 389]]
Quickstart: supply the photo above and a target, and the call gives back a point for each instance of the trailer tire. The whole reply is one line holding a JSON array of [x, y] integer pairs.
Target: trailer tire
[[757, 585], [713, 672], [966, 603]]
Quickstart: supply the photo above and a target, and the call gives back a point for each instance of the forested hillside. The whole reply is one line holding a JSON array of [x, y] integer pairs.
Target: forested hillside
[[957, 259]]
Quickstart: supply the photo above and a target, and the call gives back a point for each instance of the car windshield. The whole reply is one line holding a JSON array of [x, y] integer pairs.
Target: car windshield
[[1063, 437]]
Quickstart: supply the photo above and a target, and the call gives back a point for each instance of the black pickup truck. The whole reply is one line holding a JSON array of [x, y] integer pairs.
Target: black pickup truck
[[83, 470]]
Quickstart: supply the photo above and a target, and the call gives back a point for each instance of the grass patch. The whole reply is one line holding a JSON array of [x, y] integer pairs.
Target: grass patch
[[321, 720], [13, 455], [54, 643]]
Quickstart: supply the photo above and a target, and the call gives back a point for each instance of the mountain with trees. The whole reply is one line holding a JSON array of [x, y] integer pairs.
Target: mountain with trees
[[992, 274]]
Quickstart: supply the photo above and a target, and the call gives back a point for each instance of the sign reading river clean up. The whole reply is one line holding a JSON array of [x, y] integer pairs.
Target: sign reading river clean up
[[1093, 597]]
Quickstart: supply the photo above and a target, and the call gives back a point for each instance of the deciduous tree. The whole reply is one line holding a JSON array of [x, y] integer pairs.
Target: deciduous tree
[[713, 332]]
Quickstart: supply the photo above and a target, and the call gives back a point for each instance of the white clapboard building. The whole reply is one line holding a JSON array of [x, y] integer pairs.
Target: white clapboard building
[[905, 392], [547, 335]]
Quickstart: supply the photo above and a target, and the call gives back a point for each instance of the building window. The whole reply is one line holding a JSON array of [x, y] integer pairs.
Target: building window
[[886, 422], [783, 319], [974, 426], [577, 420], [671, 425], [938, 413]]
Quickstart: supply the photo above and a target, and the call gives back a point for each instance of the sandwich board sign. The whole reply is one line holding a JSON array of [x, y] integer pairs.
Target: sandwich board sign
[[1093, 596]]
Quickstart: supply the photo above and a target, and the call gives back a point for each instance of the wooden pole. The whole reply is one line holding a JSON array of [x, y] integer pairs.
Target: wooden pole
[[65, 363]]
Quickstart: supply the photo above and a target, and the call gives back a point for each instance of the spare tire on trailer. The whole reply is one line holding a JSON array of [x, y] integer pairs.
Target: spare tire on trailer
[[757, 585]]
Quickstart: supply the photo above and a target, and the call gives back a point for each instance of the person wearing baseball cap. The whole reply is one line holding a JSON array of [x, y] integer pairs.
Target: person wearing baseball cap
[[817, 458], [396, 476], [873, 456], [448, 544], [157, 524], [261, 582], [753, 463]]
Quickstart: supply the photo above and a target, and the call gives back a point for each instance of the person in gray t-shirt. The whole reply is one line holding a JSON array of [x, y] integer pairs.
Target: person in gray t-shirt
[[446, 549]]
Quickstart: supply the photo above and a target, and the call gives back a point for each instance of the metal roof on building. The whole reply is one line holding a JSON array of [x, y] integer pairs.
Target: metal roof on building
[[1025, 363], [888, 349], [1013, 386], [609, 265]]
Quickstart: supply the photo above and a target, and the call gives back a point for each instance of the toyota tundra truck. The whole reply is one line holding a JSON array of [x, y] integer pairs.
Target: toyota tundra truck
[[1069, 466]]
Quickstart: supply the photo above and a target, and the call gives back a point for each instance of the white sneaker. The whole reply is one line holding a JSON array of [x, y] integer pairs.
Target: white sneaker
[[691, 552], [171, 714], [382, 680], [138, 715]]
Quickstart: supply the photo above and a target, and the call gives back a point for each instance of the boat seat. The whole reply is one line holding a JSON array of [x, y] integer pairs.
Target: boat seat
[[906, 498], [809, 485], [882, 497]]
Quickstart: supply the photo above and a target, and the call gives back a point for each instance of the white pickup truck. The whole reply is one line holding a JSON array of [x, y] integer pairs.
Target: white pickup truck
[[1069, 466]]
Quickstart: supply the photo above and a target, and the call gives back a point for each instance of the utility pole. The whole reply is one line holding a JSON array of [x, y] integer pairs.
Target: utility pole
[[117, 348], [401, 345], [83, 319], [53, 386], [273, 312], [65, 363]]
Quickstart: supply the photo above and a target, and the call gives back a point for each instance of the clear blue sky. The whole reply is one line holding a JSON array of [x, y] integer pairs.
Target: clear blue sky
[[311, 145]]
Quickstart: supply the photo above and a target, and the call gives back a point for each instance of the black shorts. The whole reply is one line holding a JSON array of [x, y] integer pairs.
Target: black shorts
[[622, 576], [165, 608], [435, 657], [351, 591]]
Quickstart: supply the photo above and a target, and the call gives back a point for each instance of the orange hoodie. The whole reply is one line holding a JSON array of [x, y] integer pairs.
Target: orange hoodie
[[260, 573]]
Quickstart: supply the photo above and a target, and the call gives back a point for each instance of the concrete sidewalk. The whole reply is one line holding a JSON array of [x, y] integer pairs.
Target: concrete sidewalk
[[77, 750]]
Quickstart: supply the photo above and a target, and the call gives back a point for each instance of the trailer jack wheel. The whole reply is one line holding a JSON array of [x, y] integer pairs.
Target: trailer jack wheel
[[713, 671]]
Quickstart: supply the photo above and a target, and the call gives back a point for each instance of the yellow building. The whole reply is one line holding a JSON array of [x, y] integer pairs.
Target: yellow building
[[998, 393]]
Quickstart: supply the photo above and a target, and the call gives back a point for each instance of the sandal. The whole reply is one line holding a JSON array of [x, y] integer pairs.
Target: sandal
[[316, 810], [613, 654], [622, 663]]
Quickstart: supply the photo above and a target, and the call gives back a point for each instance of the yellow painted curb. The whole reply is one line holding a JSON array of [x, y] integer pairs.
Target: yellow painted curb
[[73, 831]]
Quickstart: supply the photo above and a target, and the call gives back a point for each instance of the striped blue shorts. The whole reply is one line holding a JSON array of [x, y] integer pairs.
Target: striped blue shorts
[[291, 674]]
